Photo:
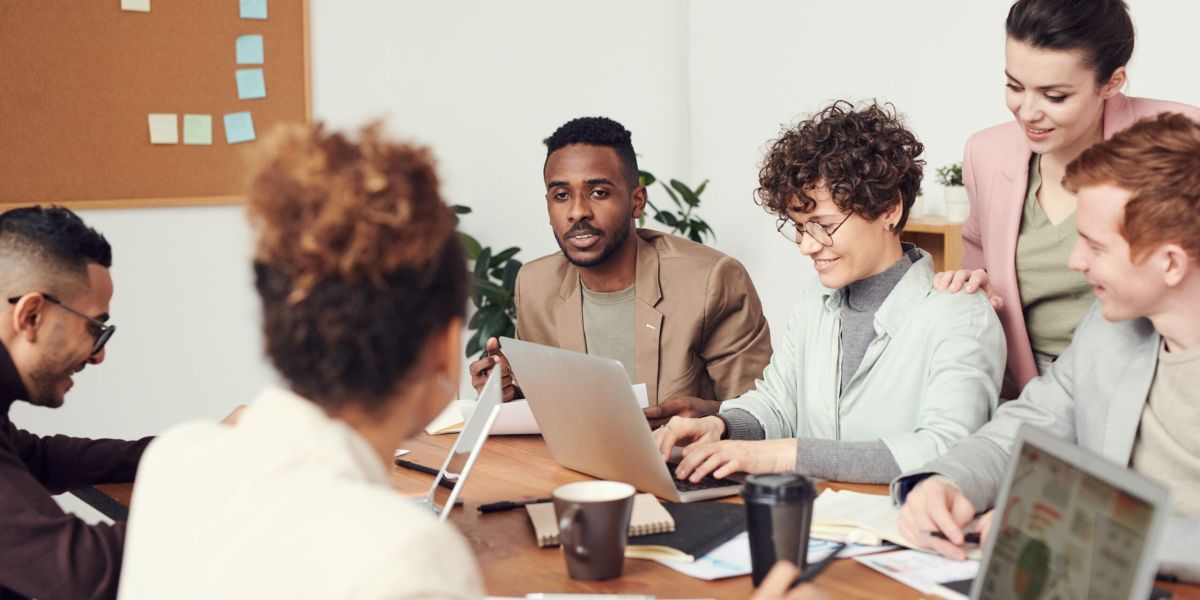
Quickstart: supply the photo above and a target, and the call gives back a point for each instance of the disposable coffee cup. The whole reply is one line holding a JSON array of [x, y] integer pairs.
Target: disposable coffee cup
[[778, 518], [593, 526]]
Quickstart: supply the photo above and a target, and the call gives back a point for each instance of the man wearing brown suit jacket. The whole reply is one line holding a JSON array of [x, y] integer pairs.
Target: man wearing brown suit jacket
[[681, 317]]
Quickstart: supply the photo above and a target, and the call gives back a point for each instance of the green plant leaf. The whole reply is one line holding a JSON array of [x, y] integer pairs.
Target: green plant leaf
[[695, 236], [494, 325], [700, 189], [470, 244], [646, 178], [460, 209], [672, 195], [482, 262], [686, 192], [667, 219], [481, 315], [498, 260], [493, 293], [509, 280], [474, 345]]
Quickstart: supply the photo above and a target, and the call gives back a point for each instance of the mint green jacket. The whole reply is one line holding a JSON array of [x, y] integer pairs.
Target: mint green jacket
[[930, 378]]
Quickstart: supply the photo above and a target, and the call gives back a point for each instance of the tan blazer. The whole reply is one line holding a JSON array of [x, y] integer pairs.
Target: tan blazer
[[700, 325]]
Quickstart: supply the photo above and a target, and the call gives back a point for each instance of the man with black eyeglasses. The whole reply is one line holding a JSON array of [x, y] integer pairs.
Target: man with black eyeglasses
[[54, 275]]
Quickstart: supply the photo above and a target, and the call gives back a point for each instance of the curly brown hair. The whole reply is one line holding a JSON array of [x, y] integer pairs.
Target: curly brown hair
[[865, 155], [356, 260]]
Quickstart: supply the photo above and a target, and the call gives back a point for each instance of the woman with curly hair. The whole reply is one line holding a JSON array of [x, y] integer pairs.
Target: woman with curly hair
[[1064, 69], [877, 373], [363, 287]]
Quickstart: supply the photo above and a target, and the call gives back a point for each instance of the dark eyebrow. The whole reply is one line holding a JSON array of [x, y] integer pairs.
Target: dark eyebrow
[[1057, 86], [554, 184], [598, 181]]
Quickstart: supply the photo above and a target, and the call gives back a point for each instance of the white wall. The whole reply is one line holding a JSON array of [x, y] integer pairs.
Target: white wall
[[703, 85]]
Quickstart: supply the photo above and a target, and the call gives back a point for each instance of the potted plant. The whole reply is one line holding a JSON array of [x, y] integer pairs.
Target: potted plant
[[955, 195]]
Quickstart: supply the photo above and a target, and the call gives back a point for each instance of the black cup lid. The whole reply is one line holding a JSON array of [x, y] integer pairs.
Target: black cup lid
[[781, 487]]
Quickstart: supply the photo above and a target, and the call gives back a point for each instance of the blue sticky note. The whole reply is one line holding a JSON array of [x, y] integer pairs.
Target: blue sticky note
[[250, 84], [253, 9], [239, 127], [250, 50]]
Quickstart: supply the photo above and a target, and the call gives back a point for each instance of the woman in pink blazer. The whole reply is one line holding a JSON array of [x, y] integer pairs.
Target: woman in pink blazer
[[1065, 65]]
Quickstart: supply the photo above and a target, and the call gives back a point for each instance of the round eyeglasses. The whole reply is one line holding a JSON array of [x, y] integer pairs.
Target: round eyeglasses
[[823, 234]]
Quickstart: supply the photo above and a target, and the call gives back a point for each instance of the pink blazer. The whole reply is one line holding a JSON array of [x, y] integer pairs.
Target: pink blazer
[[996, 175]]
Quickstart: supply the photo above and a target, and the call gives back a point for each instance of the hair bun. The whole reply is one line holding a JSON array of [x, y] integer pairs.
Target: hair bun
[[325, 206]]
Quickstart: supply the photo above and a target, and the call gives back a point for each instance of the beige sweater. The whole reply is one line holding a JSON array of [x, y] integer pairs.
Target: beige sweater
[[1167, 447]]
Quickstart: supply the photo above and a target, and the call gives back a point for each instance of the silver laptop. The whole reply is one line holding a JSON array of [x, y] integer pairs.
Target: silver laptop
[[1070, 524], [592, 423], [467, 447]]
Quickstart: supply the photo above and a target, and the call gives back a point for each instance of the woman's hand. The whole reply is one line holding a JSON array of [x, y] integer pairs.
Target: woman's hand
[[682, 431], [724, 458], [968, 281]]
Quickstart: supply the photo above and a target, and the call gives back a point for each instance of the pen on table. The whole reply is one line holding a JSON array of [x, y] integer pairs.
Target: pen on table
[[412, 466], [968, 538], [510, 504], [815, 569]]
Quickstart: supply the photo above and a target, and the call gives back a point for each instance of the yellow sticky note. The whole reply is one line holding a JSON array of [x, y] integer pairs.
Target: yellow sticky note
[[197, 130], [164, 128], [136, 5]]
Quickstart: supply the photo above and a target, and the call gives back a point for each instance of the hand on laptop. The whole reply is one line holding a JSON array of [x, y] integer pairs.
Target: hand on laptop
[[936, 504], [683, 406], [726, 457], [775, 585], [682, 431], [482, 367]]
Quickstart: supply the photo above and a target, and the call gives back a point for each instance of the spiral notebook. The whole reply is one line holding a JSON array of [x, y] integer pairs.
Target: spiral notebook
[[649, 517]]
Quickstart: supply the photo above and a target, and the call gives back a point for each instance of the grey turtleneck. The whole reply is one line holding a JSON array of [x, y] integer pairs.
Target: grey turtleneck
[[839, 460]]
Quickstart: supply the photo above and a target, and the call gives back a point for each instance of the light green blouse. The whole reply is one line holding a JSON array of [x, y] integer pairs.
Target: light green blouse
[[1053, 296]]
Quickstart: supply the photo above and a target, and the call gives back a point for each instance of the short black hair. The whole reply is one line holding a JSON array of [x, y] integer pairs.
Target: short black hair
[[1101, 29], [598, 131], [55, 234]]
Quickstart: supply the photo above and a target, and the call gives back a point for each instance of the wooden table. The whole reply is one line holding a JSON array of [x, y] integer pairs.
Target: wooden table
[[520, 467]]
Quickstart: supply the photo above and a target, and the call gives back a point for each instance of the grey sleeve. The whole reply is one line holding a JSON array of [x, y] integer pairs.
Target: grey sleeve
[[741, 425], [851, 462]]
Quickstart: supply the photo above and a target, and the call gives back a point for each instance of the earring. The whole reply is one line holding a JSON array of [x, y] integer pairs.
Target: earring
[[891, 227]]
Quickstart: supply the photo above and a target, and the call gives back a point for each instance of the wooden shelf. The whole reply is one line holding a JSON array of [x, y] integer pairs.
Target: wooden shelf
[[939, 237]]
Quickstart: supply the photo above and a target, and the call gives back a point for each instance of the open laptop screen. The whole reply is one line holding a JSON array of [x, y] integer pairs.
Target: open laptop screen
[[1065, 533]]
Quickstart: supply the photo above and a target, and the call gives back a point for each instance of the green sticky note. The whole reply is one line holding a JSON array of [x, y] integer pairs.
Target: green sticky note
[[197, 130], [253, 9], [239, 127], [250, 84], [250, 50]]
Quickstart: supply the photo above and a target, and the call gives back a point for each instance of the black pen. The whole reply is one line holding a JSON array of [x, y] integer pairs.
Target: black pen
[[968, 538], [412, 466], [813, 570], [510, 504]]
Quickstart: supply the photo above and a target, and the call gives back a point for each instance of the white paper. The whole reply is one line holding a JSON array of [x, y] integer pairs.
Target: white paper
[[164, 128], [516, 418], [921, 570], [732, 559], [136, 5]]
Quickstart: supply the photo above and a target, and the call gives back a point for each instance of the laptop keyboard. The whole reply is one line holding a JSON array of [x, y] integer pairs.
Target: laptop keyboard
[[707, 483]]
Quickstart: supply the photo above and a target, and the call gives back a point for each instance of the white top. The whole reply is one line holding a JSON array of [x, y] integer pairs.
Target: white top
[[930, 378], [287, 504]]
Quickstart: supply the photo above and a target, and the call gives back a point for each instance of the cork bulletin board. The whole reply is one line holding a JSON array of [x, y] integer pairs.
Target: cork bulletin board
[[80, 79]]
